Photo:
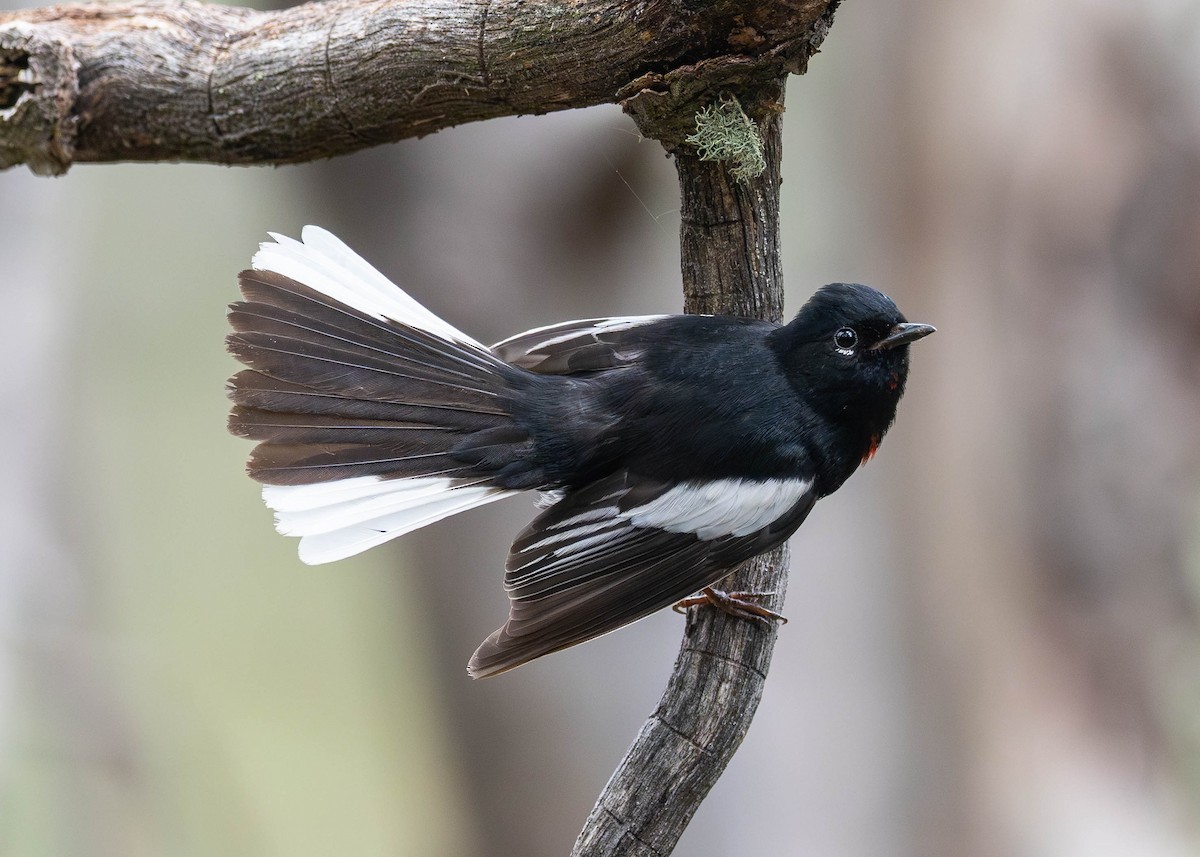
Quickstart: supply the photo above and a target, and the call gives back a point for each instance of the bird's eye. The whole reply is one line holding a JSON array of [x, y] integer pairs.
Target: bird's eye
[[845, 338]]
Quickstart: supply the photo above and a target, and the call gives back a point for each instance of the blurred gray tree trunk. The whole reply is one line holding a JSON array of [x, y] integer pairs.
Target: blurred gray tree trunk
[[57, 700], [1043, 187]]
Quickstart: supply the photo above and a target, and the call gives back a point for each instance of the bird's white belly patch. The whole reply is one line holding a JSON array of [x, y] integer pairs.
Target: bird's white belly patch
[[721, 507]]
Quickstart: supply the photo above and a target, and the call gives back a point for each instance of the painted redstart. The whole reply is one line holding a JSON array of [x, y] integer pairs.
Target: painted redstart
[[668, 448]]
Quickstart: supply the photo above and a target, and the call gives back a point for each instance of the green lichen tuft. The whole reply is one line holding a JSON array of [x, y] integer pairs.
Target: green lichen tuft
[[725, 133]]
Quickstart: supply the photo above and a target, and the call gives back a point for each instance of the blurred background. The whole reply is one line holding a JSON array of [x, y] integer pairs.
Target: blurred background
[[993, 645]]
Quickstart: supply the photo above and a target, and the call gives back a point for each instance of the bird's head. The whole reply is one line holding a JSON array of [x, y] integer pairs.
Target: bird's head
[[846, 352]]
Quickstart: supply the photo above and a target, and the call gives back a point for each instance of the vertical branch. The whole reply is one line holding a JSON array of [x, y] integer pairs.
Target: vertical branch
[[730, 260], [729, 234]]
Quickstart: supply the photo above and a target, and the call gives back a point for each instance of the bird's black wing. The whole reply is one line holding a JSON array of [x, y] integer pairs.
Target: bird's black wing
[[586, 345], [624, 547]]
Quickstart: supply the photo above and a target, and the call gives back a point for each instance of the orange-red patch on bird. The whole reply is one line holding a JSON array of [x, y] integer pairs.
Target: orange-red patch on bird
[[893, 383], [871, 450]]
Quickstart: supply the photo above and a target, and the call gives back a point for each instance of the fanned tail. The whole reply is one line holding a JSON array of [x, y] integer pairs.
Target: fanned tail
[[370, 411]]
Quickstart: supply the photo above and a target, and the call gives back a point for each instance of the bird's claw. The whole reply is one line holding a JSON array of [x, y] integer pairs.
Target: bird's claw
[[738, 604]]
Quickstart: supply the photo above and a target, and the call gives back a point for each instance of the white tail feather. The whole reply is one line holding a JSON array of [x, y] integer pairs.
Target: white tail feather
[[340, 519], [296, 498], [406, 494], [368, 532], [322, 262]]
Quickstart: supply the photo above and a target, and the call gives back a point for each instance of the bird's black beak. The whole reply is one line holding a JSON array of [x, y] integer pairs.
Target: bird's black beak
[[904, 333]]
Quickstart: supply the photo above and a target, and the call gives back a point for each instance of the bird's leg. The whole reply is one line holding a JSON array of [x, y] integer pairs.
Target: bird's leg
[[739, 604]]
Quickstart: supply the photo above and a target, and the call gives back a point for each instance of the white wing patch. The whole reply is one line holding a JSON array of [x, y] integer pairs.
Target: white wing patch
[[580, 532], [322, 262], [708, 510], [339, 519], [556, 334], [722, 507]]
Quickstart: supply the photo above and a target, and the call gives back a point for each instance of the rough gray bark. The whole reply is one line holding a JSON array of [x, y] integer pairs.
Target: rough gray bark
[[191, 81], [731, 265]]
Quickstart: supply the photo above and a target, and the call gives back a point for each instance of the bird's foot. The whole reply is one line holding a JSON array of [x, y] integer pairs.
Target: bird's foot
[[739, 604]]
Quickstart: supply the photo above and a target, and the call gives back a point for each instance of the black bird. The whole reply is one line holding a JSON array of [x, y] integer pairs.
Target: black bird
[[668, 448]]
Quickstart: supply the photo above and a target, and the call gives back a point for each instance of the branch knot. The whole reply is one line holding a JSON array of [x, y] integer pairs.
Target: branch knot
[[38, 87]]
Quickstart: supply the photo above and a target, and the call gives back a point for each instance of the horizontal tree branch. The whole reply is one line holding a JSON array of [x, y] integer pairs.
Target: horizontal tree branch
[[189, 81]]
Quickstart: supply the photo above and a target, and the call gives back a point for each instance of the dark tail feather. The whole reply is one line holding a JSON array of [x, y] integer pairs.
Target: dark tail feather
[[326, 407]]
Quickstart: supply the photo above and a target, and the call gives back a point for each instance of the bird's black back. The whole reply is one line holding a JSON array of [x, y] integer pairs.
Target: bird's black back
[[712, 397]]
